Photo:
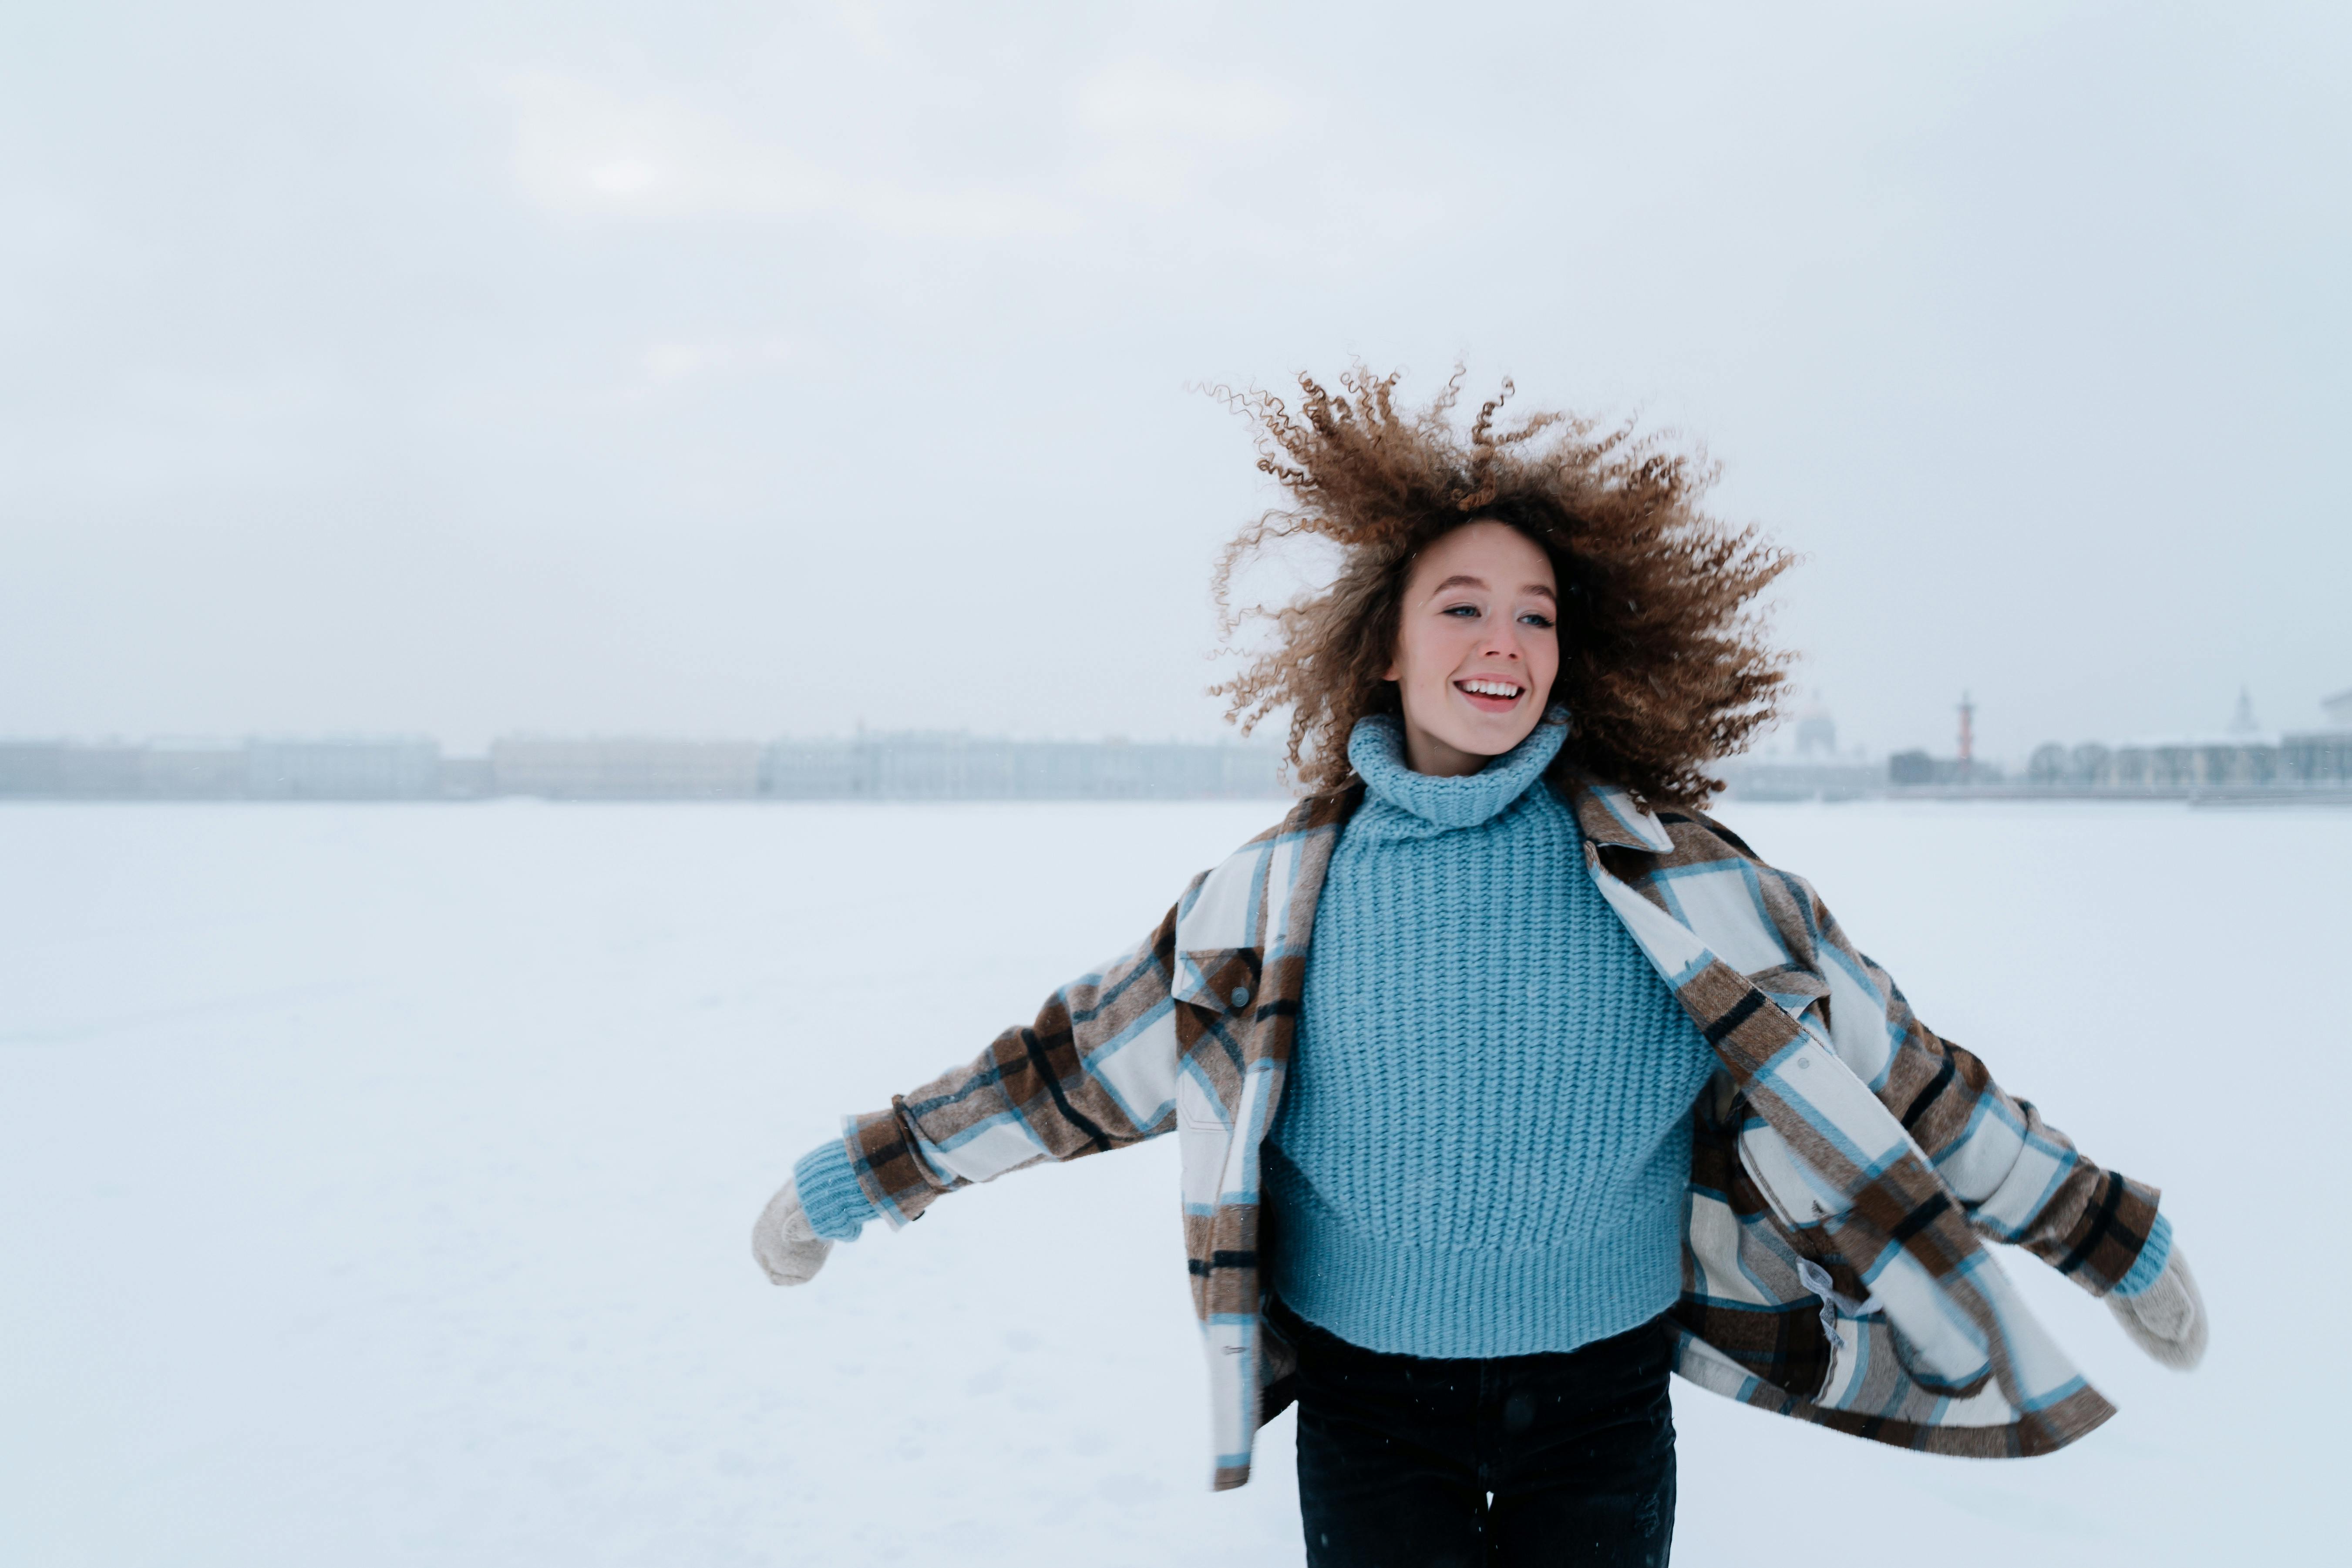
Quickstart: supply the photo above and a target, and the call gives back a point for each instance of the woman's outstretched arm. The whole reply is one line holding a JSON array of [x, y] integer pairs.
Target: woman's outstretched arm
[[2020, 1179], [1096, 1070]]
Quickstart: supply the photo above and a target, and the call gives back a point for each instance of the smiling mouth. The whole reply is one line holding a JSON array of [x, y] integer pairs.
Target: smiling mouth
[[1490, 694]]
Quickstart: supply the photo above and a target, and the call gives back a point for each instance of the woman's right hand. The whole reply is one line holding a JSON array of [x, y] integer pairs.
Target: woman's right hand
[[2167, 1320], [787, 1246]]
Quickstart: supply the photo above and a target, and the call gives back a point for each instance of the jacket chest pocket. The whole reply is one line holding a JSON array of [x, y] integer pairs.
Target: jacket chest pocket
[[1223, 980]]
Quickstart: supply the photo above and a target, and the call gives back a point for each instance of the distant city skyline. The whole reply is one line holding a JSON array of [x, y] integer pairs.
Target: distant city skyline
[[962, 764], [918, 766], [1810, 726]]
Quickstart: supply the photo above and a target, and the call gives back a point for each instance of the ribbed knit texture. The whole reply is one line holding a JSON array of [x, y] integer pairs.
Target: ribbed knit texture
[[837, 1206], [2153, 1255], [1485, 1142]]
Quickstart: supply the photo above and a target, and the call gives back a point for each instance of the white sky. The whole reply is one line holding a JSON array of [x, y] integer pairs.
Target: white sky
[[727, 369]]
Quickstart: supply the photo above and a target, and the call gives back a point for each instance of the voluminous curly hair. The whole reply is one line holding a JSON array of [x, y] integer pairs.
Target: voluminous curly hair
[[1663, 666]]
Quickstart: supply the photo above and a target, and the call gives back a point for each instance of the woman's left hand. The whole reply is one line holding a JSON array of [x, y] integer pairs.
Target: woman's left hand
[[2168, 1319], [789, 1249]]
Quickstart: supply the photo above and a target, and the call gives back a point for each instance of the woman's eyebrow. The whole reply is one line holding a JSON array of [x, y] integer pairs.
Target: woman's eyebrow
[[1465, 580]]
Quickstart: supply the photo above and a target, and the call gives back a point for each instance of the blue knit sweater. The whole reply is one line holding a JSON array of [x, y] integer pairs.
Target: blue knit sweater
[[1485, 1142]]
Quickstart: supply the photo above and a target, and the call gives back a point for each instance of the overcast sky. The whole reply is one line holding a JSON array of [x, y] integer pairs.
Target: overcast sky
[[753, 369]]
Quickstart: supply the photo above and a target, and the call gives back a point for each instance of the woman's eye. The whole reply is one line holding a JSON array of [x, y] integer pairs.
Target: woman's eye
[[1541, 622], [1471, 610]]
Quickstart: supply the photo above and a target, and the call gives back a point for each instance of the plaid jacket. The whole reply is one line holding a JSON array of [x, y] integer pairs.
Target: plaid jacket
[[1848, 1164]]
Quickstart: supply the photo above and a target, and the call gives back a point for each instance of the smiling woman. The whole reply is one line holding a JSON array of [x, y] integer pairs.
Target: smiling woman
[[1504, 1081]]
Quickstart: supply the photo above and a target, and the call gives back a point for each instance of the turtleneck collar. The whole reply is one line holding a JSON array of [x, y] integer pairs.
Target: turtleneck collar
[[1376, 750]]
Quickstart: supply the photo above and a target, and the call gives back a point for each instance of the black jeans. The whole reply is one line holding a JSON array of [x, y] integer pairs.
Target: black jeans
[[1405, 1462]]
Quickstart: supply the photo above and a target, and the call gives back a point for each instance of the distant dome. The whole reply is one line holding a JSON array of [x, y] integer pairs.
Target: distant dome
[[2242, 723], [1816, 731]]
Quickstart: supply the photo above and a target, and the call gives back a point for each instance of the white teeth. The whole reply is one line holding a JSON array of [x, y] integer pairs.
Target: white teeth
[[1491, 687]]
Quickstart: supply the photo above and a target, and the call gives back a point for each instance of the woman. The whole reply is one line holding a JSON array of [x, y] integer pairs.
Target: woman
[[1507, 1082]]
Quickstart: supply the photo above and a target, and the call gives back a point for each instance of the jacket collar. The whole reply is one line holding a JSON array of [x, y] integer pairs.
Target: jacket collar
[[1611, 816]]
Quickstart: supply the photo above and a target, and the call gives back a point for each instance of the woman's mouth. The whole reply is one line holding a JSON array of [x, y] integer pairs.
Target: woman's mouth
[[1490, 694]]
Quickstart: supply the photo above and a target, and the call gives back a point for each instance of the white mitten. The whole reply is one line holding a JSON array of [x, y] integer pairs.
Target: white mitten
[[787, 1246], [2168, 1319]]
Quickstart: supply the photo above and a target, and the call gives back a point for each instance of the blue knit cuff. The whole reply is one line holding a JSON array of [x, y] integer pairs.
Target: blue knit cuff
[[2153, 1255], [837, 1206]]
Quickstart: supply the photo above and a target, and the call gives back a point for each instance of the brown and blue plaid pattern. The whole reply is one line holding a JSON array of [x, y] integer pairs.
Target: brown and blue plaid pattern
[[1847, 1168]]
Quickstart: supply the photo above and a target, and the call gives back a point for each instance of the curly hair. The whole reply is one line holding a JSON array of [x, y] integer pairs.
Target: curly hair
[[1663, 666]]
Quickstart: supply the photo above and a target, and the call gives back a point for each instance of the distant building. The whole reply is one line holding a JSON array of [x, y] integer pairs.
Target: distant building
[[965, 768], [113, 770], [2243, 721], [1910, 769], [2322, 756], [193, 770], [2319, 757], [222, 770], [2193, 763], [2241, 759], [1772, 778], [625, 770], [31, 768], [466, 778], [870, 767], [343, 770], [820, 769], [1816, 772], [1816, 731]]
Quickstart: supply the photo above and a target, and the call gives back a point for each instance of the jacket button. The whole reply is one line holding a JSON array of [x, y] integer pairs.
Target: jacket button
[[1241, 995]]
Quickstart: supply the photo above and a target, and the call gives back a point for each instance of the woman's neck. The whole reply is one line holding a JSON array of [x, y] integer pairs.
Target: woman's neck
[[1424, 753]]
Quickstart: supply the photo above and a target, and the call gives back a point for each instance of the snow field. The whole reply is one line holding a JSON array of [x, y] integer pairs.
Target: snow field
[[375, 1185]]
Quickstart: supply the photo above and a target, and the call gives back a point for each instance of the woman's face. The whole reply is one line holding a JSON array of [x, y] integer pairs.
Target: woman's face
[[1477, 649]]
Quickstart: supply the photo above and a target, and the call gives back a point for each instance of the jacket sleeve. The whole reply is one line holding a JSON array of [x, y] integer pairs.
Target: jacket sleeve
[[1097, 1070], [2020, 1179]]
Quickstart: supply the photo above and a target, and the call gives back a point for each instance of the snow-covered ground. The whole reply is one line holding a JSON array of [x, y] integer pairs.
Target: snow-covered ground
[[375, 1186]]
